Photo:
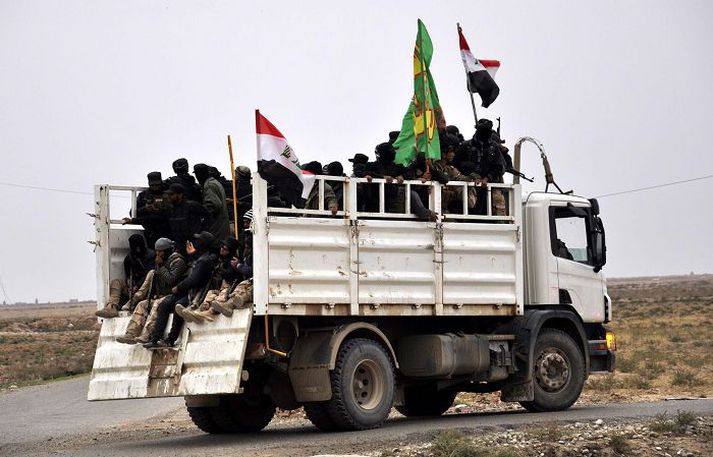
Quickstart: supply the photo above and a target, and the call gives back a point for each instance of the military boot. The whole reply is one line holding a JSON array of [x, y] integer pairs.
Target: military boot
[[186, 314], [224, 307], [112, 305], [205, 315]]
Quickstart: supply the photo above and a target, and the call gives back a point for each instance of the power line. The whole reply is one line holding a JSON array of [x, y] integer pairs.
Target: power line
[[51, 189], [657, 186]]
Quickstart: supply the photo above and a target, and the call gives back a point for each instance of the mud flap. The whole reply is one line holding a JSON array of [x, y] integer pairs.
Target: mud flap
[[208, 360]]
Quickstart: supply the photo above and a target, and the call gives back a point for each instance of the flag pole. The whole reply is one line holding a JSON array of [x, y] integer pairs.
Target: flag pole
[[235, 187], [467, 82], [424, 79]]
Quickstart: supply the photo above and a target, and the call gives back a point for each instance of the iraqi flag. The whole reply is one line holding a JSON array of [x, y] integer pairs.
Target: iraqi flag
[[278, 164], [480, 73]]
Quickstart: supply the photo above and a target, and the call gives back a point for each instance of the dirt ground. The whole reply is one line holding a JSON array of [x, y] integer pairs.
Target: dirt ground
[[45, 342]]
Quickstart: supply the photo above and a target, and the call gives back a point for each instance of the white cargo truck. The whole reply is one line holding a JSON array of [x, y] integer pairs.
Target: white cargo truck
[[360, 311]]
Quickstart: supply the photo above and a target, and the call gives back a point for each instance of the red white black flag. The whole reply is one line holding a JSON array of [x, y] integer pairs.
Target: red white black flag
[[480, 73], [278, 164]]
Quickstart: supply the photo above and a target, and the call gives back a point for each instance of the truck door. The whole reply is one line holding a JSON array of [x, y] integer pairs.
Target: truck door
[[579, 284]]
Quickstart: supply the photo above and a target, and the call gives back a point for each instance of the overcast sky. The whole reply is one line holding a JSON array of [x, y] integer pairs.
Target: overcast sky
[[620, 93]]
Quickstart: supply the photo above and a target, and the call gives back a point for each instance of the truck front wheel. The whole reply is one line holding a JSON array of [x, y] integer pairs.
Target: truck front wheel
[[558, 374], [362, 386]]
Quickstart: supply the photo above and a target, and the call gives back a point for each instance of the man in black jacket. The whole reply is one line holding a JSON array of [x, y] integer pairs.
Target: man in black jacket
[[186, 291], [192, 189], [185, 217], [151, 210]]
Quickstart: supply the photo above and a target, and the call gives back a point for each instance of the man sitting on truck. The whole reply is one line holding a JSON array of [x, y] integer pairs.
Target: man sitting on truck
[[170, 268], [137, 264], [224, 275], [240, 296], [186, 291], [451, 196]]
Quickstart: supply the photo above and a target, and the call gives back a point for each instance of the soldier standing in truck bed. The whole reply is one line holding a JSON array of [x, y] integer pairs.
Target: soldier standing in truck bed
[[185, 217], [151, 210], [192, 190], [484, 151], [214, 202]]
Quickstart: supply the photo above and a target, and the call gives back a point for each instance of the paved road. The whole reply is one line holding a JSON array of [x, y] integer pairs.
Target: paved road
[[60, 409]]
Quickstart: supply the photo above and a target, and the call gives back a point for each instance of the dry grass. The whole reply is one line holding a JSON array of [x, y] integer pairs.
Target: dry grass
[[43, 343], [664, 332]]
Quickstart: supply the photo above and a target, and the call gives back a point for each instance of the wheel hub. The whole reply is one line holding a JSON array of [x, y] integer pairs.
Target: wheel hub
[[368, 384], [552, 370]]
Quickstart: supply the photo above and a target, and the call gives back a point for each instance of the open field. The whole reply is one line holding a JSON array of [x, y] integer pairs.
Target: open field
[[44, 342], [664, 328]]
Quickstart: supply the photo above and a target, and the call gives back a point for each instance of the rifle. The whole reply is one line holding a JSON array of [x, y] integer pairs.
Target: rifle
[[514, 172]]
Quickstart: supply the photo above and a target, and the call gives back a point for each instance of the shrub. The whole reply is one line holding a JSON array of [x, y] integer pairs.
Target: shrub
[[620, 444], [685, 378]]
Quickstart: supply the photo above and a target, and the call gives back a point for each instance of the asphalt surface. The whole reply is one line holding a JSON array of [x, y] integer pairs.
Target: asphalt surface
[[61, 408], [39, 413]]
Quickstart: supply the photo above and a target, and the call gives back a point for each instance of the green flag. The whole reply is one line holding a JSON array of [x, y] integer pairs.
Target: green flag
[[419, 130]]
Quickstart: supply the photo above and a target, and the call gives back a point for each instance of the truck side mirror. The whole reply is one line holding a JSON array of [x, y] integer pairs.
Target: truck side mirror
[[599, 247]]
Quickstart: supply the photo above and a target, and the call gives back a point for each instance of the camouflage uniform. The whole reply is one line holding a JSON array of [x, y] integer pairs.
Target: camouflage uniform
[[144, 315], [454, 194]]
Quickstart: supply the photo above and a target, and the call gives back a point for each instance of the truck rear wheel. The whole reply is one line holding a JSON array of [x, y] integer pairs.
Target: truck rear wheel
[[362, 386], [242, 414], [558, 374], [234, 414], [424, 401]]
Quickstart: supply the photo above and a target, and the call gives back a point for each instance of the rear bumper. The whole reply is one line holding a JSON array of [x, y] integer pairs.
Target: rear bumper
[[601, 358]]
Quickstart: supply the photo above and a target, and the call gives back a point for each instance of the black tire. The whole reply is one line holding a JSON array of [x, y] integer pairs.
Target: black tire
[[203, 419], [558, 374], [317, 413], [242, 414], [425, 401], [362, 385]]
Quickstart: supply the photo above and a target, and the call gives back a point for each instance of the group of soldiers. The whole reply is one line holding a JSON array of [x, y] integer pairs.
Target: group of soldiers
[[198, 267], [192, 263], [483, 159]]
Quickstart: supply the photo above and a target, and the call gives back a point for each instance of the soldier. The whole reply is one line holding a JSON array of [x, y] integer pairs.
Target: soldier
[[224, 275], [336, 169], [452, 196], [384, 167], [192, 190], [151, 206], [213, 201], [240, 296], [137, 264], [244, 192], [330, 200], [484, 151], [185, 217], [170, 268], [186, 291], [419, 169], [359, 162]]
